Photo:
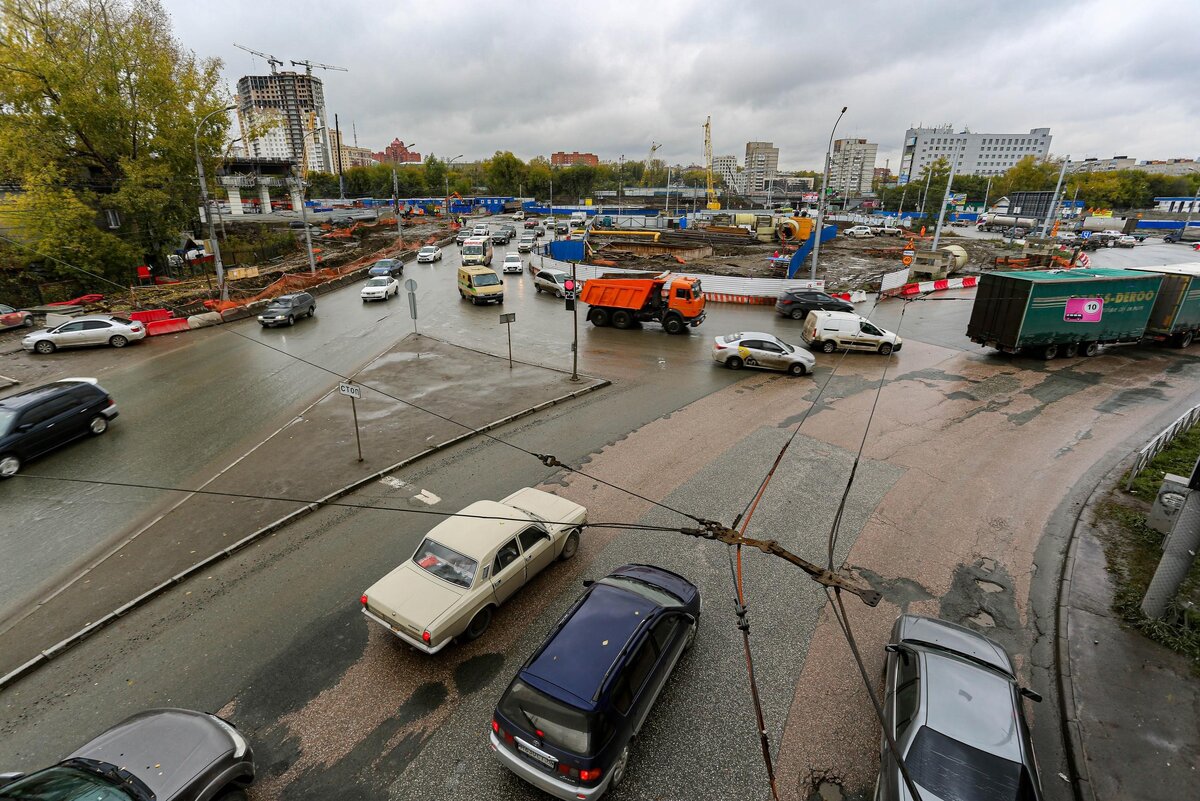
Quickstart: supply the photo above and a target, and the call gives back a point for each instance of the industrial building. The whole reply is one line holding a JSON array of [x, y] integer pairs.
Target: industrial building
[[762, 165], [852, 167], [291, 106], [976, 153]]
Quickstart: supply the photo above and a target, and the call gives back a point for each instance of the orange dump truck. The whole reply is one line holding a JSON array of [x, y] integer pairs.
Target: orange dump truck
[[673, 300]]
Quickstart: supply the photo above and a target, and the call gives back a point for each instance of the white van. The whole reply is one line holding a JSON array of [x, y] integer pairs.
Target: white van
[[579, 218], [828, 331]]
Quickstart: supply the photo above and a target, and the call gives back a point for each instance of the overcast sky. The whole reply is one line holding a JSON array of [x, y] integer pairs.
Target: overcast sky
[[610, 76]]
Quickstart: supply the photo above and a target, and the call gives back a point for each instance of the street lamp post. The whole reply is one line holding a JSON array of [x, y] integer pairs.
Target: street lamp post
[[396, 203], [812, 272], [212, 231], [299, 179], [447, 176]]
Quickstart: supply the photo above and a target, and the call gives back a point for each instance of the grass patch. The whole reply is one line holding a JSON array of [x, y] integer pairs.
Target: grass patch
[[1133, 549]]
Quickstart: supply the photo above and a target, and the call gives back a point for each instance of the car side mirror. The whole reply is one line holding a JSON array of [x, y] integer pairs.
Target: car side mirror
[[21, 428], [1031, 695]]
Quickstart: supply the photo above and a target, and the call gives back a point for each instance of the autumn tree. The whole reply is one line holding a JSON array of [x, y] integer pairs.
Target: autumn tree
[[100, 104]]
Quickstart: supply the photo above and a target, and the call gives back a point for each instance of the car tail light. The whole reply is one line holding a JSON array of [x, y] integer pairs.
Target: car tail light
[[110, 401], [495, 726], [426, 636], [719, 347], [786, 302], [589, 775], [499, 730], [363, 599]]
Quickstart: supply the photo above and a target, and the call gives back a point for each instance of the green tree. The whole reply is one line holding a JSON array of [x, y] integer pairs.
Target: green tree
[[505, 173], [435, 174], [100, 104]]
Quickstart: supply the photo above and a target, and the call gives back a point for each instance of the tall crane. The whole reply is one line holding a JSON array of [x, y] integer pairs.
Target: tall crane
[[646, 172], [274, 62], [308, 66], [713, 204]]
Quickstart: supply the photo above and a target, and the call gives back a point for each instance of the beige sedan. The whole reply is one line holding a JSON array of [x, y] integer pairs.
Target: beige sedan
[[471, 563]]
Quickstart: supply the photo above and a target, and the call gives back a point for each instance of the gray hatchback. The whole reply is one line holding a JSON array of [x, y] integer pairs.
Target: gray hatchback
[[954, 706]]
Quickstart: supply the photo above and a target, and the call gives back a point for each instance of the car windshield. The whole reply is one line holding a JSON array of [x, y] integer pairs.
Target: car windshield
[[386, 263], [485, 279], [696, 290], [380, 281], [282, 302], [429, 251], [446, 563], [953, 770], [64, 784], [551, 720], [512, 257], [473, 250], [643, 588]]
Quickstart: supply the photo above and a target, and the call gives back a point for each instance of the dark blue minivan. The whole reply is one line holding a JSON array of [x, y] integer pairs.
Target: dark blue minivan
[[566, 721]]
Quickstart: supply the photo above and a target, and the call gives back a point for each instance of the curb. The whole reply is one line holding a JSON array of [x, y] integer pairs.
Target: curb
[[66, 644], [1076, 753]]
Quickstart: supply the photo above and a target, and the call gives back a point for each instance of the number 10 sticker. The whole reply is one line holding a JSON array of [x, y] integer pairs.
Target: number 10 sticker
[[1084, 310]]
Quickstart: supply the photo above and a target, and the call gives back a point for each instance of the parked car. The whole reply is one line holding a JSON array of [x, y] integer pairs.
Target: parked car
[[380, 287], [43, 418], [512, 263], [389, 267], [467, 566], [766, 351], [797, 303], [160, 754], [1068, 237], [286, 309], [462, 235], [92, 329], [828, 331], [959, 224], [954, 707], [341, 221], [569, 718], [858, 231], [429, 253], [551, 281], [885, 230], [14, 318], [1125, 241], [526, 243]]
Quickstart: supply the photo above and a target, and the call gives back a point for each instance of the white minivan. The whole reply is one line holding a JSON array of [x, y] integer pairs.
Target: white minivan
[[828, 331]]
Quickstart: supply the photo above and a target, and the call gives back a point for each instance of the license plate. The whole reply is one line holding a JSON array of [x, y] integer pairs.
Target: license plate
[[536, 757]]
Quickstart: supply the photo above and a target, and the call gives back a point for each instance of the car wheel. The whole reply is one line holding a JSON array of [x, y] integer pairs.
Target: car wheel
[[44, 346], [691, 635], [734, 362], [291, 319], [537, 288], [1091, 348], [479, 624], [312, 310], [885, 348], [571, 546], [798, 314], [9, 465], [618, 768], [622, 319], [600, 318], [28, 321], [828, 346], [98, 424], [796, 369]]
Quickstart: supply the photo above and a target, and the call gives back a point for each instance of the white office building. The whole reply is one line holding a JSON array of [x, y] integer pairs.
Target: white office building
[[977, 153]]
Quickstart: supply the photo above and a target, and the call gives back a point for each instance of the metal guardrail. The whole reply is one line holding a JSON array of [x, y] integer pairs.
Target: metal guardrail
[[1164, 438]]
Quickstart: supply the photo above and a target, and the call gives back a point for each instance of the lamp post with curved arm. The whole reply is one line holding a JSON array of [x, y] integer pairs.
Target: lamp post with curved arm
[[212, 231], [812, 273], [447, 177]]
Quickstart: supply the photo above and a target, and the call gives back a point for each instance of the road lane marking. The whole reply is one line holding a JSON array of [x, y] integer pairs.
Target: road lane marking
[[427, 497]]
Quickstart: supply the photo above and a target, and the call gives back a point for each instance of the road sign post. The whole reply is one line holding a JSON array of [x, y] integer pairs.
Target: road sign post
[[508, 320], [572, 289], [353, 393], [411, 286]]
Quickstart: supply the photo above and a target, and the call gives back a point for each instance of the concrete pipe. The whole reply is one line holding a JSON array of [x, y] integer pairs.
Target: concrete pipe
[[959, 253], [795, 229]]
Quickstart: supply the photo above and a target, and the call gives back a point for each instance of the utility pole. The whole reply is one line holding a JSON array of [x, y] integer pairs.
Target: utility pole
[[212, 231], [396, 206], [668, 200], [341, 183], [812, 273], [312, 262], [1191, 208], [620, 183], [937, 232], [1178, 550], [986, 193], [574, 324], [1054, 200]]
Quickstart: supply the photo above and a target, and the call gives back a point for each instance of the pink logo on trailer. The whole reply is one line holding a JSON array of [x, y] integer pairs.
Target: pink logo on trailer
[[1084, 310]]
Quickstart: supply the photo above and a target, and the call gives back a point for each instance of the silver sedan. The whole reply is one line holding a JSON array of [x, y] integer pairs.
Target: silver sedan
[[94, 329], [766, 351]]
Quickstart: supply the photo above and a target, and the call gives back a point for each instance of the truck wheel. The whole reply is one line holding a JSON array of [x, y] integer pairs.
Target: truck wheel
[[622, 319], [1071, 351], [1050, 352], [1090, 348], [1184, 340], [600, 318], [674, 325], [828, 346], [734, 363]]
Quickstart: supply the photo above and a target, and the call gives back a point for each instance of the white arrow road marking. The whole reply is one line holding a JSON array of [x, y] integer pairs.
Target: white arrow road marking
[[425, 496]]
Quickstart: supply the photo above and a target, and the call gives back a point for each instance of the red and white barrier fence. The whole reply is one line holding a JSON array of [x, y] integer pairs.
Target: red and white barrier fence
[[936, 286]]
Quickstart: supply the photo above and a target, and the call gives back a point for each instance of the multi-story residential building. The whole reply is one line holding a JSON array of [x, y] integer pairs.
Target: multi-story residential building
[[561, 159], [762, 165], [727, 168], [976, 153], [852, 166], [292, 104], [1162, 166], [397, 153], [1170, 167], [1101, 165], [347, 156]]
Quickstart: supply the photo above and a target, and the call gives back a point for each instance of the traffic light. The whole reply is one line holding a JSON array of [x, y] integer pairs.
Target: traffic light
[[569, 293]]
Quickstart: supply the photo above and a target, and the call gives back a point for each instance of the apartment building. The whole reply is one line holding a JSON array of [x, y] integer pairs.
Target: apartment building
[[976, 153], [762, 165], [727, 168], [561, 159], [292, 104], [347, 156], [852, 166]]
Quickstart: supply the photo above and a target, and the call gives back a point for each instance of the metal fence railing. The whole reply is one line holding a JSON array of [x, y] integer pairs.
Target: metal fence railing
[[1164, 438]]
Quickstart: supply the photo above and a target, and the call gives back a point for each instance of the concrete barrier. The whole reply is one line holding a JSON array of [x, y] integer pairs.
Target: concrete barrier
[[204, 320]]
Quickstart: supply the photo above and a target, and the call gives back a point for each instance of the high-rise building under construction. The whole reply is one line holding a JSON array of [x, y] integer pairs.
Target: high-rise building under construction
[[287, 112]]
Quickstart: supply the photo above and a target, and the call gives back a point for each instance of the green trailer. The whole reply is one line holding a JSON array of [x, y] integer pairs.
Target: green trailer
[[1062, 312], [1175, 317]]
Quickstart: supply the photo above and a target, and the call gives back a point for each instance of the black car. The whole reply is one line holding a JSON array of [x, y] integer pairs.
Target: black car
[[41, 419], [566, 722], [156, 755], [286, 309], [462, 236], [502, 235], [797, 303]]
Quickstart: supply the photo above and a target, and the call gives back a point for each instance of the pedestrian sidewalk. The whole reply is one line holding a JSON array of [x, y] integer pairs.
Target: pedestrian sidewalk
[[1131, 707], [314, 457]]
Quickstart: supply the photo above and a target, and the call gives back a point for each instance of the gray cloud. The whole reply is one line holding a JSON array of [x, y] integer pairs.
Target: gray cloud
[[532, 77]]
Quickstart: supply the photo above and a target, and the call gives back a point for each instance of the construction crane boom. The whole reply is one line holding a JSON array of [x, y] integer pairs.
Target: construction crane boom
[[646, 173], [713, 204], [308, 66], [271, 60]]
